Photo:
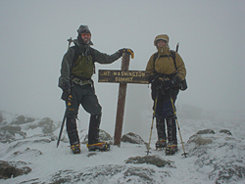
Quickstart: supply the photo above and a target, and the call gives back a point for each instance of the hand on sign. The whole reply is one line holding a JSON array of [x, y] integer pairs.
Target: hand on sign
[[128, 51]]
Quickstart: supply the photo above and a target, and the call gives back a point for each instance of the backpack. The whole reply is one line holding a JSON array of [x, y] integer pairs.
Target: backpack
[[77, 57], [183, 83]]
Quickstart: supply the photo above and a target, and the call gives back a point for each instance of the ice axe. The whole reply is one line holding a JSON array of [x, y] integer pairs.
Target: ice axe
[[61, 130]]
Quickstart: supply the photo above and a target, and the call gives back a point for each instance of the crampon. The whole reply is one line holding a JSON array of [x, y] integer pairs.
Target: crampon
[[171, 149], [101, 146]]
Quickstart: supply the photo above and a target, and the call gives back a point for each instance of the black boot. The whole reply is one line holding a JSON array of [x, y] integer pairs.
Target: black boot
[[172, 146], [160, 124], [94, 142], [71, 128]]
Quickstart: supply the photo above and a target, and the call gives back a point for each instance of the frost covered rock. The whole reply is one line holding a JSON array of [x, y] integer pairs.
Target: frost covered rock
[[103, 135], [225, 131], [111, 174], [28, 151], [132, 138], [22, 120], [8, 133], [46, 124], [219, 156], [206, 131], [153, 160], [7, 170], [1, 118]]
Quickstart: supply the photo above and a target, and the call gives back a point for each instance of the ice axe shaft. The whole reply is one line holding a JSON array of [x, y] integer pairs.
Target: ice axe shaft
[[61, 130]]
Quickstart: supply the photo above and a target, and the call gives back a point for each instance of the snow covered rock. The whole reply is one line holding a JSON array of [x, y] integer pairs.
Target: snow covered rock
[[8, 133], [215, 156], [111, 174], [132, 138], [219, 156], [103, 135], [1, 118], [22, 120], [8, 170], [149, 159]]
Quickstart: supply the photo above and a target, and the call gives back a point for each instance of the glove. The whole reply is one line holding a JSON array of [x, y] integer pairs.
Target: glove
[[65, 95], [157, 83], [125, 50], [66, 91], [151, 78], [176, 79], [168, 84]]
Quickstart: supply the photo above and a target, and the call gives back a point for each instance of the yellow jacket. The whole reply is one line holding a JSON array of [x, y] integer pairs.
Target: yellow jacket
[[165, 65]]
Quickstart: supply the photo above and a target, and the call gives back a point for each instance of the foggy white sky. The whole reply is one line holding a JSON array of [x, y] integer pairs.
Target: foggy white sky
[[33, 42]]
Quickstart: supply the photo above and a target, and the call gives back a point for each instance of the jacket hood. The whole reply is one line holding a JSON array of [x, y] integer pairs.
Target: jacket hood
[[161, 37], [83, 29]]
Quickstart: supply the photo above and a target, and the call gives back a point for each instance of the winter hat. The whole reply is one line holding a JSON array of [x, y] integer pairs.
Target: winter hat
[[161, 37], [83, 29]]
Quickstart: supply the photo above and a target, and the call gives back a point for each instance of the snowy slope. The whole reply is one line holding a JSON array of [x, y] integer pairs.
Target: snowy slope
[[213, 158]]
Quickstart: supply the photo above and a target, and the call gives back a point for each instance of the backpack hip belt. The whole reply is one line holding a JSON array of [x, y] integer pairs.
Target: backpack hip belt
[[81, 82]]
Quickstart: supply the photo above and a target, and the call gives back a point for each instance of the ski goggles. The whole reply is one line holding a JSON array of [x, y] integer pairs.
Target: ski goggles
[[85, 34]]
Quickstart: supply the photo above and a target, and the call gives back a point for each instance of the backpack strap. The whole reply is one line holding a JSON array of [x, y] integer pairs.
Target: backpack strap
[[154, 60], [77, 53], [173, 55]]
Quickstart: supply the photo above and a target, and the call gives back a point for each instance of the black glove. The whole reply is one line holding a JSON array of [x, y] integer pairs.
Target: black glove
[[168, 84], [157, 83], [151, 78], [125, 50], [65, 95], [176, 79]]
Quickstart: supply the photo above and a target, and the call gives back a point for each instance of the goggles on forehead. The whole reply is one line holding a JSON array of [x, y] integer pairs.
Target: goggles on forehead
[[85, 34], [162, 40]]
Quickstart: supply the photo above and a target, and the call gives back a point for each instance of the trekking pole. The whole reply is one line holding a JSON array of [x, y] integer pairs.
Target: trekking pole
[[61, 129], [177, 123], [154, 113]]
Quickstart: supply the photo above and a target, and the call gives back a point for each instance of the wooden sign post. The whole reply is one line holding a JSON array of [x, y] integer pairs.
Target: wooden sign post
[[122, 77]]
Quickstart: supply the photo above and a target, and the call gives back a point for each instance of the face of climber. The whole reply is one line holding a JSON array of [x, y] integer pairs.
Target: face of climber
[[86, 37], [161, 43]]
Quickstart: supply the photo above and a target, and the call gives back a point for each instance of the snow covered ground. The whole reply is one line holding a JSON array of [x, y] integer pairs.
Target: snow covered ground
[[216, 157]]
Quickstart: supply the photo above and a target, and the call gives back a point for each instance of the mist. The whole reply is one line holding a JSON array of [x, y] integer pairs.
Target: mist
[[33, 42]]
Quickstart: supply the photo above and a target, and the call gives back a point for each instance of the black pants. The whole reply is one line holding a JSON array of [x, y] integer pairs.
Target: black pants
[[85, 96], [164, 111]]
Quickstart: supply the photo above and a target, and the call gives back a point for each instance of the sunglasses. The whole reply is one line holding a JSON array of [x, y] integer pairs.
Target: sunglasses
[[85, 34]]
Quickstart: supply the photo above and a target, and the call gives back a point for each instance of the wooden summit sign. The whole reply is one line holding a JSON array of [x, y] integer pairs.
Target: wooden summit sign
[[122, 77], [119, 76]]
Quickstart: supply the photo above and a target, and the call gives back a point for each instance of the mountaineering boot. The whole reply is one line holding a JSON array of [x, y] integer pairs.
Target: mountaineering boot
[[101, 146], [71, 128], [94, 142], [76, 149], [171, 148], [172, 137], [161, 144]]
